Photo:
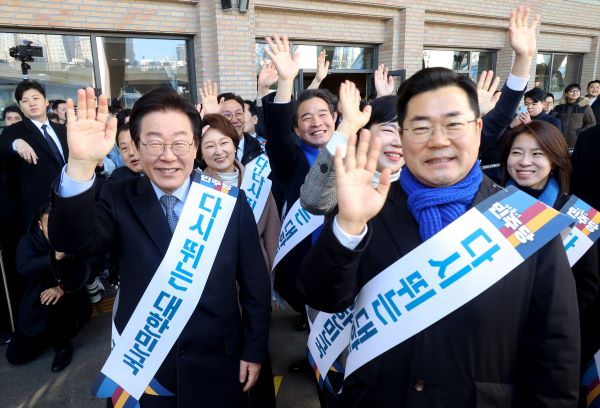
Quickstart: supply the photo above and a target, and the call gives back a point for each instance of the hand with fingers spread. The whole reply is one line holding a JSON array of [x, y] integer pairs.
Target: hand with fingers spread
[[51, 296], [287, 66], [353, 119], [208, 98], [322, 66], [384, 83], [266, 78], [358, 200], [486, 91], [90, 134], [25, 151], [248, 374]]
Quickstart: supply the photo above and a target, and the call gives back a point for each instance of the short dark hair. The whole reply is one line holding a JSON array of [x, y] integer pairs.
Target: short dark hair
[[307, 94], [572, 86], [10, 109], [383, 110], [430, 79], [552, 143], [593, 81], [536, 94], [56, 103], [251, 107], [26, 86], [44, 210], [122, 115], [549, 95], [228, 96], [123, 128], [163, 100], [220, 123]]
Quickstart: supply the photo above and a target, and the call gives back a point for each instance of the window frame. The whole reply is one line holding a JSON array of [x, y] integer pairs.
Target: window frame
[[493, 51]]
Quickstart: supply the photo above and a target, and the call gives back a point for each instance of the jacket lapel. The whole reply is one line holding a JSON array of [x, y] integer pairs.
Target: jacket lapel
[[36, 139], [398, 222], [151, 215], [61, 132]]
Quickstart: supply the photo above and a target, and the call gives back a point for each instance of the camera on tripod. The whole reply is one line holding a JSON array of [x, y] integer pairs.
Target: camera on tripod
[[25, 53]]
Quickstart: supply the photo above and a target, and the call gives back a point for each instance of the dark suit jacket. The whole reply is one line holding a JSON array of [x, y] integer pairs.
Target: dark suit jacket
[[289, 167], [203, 365], [596, 109], [123, 173], [34, 181], [515, 345], [252, 149]]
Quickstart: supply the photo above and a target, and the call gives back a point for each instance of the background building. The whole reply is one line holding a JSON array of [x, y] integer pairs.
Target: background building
[[126, 48]]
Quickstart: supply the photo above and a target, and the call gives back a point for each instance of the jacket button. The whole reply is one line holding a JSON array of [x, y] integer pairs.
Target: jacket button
[[324, 168], [182, 354], [419, 385]]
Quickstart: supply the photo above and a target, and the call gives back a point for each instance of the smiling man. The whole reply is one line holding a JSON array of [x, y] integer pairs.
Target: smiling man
[[217, 353], [521, 352]]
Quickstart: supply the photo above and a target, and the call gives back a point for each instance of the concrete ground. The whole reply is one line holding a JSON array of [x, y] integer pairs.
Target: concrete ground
[[33, 385]]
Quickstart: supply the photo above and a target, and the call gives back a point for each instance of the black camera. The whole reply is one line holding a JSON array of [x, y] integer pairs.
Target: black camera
[[25, 53]]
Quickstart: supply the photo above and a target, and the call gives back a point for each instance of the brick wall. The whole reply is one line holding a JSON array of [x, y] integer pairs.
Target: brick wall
[[224, 41]]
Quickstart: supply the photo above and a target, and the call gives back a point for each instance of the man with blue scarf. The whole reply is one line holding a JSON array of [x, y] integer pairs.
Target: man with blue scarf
[[514, 345]]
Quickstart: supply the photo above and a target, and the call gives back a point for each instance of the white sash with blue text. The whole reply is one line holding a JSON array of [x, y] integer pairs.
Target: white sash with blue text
[[175, 289], [297, 225], [585, 231], [439, 276], [256, 184]]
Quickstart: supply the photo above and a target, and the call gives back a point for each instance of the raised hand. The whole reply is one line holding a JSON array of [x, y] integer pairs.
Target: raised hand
[[208, 98], [25, 151], [486, 91], [353, 119], [279, 52], [384, 83], [358, 200], [267, 77], [521, 34], [90, 133], [322, 66]]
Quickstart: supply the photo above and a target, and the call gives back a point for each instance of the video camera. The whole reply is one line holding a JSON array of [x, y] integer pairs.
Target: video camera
[[25, 54]]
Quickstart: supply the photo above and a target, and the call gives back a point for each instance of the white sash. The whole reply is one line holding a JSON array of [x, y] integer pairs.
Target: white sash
[[175, 289], [297, 225], [436, 278], [585, 231], [256, 184]]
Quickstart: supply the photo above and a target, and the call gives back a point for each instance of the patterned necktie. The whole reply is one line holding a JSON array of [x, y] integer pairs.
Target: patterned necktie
[[168, 202], [52, 146]]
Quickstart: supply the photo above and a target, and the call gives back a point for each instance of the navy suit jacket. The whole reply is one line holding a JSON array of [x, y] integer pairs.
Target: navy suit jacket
[[33, 180], [231, 321]]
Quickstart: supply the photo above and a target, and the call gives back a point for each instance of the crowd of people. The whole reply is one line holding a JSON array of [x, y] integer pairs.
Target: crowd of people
[[86, 188]]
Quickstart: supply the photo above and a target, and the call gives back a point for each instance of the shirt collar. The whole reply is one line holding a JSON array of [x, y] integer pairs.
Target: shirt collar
[[181, 193], [40, 124]]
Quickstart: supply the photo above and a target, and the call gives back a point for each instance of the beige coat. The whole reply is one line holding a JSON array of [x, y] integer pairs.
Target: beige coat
[[268, 225]]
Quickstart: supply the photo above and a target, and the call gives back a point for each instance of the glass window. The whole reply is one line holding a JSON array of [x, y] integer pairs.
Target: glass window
[[66, 65], [131, 67], [555, 71], [470, 63], [339, 57]]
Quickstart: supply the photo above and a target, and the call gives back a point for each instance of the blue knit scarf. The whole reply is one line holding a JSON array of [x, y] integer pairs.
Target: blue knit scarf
[[436, 207], [548, 195]]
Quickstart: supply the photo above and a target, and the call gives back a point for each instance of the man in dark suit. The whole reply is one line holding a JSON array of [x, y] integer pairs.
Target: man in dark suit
[[218, 354], [524, 352], [42, 146], [129, 155], [233, 109]]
